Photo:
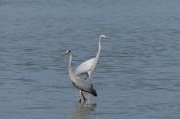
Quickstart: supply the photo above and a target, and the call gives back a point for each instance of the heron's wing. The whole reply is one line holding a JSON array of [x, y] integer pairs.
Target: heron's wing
[[82, 84], [84, 67]]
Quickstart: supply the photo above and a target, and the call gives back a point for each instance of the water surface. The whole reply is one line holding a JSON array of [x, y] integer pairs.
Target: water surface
[[137, 75]]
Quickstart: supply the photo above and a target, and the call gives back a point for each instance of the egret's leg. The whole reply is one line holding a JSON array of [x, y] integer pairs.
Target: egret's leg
[[86, 76], [80, 95], [89, 74], [90, 81], [83, 97]]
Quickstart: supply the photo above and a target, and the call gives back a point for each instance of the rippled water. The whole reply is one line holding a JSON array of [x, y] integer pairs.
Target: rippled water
[[138, 73]]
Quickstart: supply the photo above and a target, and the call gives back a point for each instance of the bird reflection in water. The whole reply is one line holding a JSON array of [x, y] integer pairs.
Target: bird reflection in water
[[84, 110]]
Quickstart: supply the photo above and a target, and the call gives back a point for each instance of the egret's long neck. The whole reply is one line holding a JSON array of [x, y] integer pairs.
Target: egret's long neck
[[97, 56], [69, 66]]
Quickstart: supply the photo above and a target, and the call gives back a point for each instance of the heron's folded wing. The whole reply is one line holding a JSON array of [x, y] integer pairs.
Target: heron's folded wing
[[82, 84]]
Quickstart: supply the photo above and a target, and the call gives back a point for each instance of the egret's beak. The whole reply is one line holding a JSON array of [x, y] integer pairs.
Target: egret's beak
[[64, 54], [106, 38]]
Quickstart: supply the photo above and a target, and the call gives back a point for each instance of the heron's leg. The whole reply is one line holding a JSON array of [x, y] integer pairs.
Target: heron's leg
[[80, 95], [83, 97], [86, 76]]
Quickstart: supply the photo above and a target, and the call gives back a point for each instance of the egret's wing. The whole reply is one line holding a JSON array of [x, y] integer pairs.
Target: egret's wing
[[84, 67]]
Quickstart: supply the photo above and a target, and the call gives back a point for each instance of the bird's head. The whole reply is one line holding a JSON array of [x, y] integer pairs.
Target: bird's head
[[103, 36], [68, 52]]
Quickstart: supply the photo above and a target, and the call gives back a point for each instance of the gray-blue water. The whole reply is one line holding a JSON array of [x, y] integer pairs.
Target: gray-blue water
[[138, 72]]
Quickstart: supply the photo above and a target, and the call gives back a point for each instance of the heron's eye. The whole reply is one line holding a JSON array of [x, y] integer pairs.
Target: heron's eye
[[69, 50]]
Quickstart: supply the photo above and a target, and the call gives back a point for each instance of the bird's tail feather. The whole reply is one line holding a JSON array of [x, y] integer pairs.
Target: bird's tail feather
[[93, 91]]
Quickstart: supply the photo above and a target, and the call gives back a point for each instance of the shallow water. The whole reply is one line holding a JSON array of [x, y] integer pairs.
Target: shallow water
[[137, 75]]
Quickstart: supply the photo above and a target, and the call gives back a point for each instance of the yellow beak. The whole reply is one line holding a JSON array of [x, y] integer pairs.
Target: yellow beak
[[106, 38]]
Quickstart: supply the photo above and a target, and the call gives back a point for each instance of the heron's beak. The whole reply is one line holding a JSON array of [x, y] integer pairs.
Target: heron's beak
[[64, 54], [106, 38]]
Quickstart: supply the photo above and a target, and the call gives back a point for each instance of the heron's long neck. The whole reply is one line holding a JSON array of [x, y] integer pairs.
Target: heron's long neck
[[70, 56], [97, 56]]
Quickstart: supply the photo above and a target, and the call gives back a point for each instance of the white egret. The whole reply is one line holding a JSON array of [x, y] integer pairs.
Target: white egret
[[89, 66], [78, 82]]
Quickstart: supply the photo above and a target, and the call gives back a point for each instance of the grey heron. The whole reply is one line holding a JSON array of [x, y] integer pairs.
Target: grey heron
[[78, 82], [89, 66]]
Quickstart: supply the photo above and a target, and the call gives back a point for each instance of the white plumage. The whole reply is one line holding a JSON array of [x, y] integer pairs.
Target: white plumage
[[89, 66]]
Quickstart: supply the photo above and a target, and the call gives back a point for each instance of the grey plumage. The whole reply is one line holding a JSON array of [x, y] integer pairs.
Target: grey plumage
[[82, 84]]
